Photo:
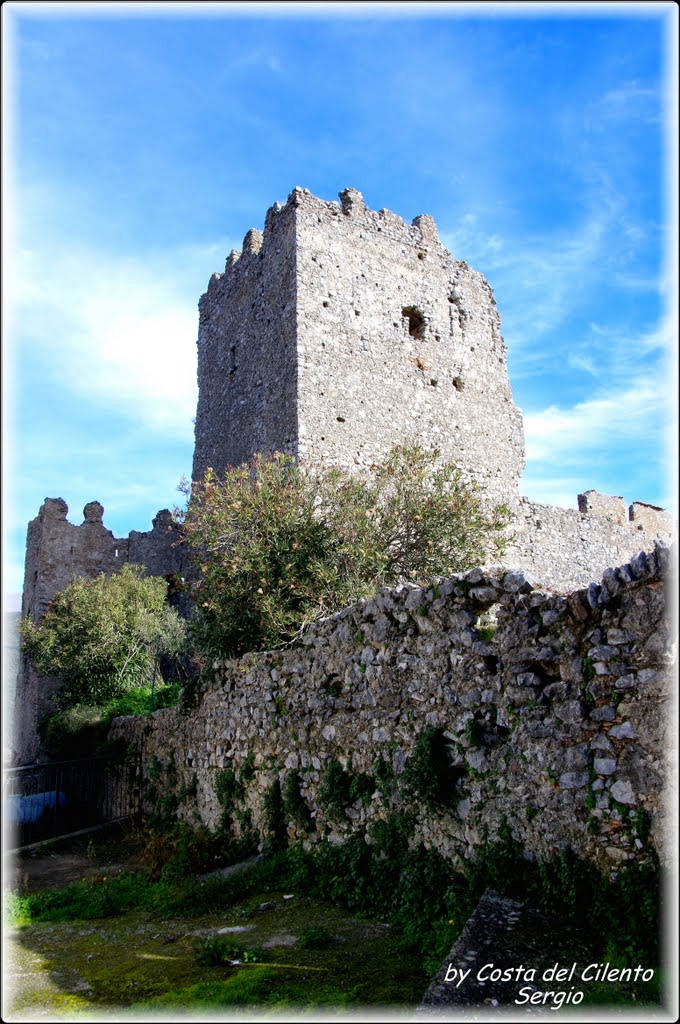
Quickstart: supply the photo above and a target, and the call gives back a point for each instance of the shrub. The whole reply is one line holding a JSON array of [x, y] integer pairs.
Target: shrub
[[83, 729], [316, 937], [276, 546], [428, 775], [101, 637]]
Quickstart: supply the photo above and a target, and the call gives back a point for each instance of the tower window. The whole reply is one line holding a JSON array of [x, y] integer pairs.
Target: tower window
[[416, 321]]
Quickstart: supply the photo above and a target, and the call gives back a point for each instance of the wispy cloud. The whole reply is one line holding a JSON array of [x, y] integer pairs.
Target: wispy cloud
[[564, 434], [118, 330]]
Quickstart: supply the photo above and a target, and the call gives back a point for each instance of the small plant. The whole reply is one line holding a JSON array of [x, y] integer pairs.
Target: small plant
[[220, 949], [247, 772], [294, 803], [384, 773], [316, 937], [276, 832], [588, 669], [361, 787], [228, 789], [333, 794], [474, 732], [429, 775], [188, 789]]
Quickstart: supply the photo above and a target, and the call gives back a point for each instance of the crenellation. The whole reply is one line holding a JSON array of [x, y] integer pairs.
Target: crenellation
[[605, 505], [651, 519]]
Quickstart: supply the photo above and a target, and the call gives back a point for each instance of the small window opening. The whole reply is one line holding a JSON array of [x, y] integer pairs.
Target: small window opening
[[433, 382], [325, 304], [421, 255], [232, 360], [416, 321], [116, 553], [340, 419]]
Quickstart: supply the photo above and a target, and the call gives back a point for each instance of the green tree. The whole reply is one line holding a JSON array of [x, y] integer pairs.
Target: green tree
[[100, 636], [277, 546]]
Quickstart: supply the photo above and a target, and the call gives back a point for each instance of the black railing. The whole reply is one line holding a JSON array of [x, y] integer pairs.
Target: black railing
[[45, 801]]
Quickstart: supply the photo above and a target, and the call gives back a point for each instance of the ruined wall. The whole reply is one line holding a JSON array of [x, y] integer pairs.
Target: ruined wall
[[342, 331], [56, 552], [568, 548], [247, 365], [557, 719]]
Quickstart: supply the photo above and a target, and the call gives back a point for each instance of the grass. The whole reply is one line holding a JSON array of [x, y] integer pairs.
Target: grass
[[422, 901]]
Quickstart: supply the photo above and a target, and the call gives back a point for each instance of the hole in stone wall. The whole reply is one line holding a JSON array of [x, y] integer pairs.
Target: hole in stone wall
[[421, 255], [433, 382], [325, 304], [416, 321], [340, 419], [457, 383], [115, 553]]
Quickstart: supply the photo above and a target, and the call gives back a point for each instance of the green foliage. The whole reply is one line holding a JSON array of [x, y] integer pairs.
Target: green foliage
[[316, 937], [361, 787], [277, 547], [220, 949], [384, 773], [227, 787], [588, 669], [474, 732], [294, 803], [247, 772], [276, 832], [333, 792], [428, 775], [82, 729], [101, 636], [390, 878]]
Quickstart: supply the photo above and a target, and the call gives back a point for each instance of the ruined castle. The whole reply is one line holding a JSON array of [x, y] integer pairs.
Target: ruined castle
[[335, 333]]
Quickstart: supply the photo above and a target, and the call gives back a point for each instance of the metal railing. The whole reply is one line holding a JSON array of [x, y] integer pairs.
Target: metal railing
[[45, 801]]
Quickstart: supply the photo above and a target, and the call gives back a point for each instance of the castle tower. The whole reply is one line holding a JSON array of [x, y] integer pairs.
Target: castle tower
[[341, 331]]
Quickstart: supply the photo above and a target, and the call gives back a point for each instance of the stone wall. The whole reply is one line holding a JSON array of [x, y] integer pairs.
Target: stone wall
[[568, 548], [556, 717], [56, 552], [247, 358]]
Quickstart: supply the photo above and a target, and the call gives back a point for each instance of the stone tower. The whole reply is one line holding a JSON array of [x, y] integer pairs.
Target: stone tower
[[341, 331]]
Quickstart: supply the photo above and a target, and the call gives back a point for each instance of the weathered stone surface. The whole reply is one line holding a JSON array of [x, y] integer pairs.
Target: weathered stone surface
[[504, 933], [519, 748], [623, 792]]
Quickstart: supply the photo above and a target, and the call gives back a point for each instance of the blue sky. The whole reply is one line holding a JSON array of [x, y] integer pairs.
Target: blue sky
[[142, 145]]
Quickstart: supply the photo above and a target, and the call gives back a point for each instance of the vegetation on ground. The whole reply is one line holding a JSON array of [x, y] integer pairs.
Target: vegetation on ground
[[83, 729], [391, 879]]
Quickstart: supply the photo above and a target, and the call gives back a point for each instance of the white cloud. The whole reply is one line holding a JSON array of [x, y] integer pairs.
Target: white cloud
[[586, 363], [122, 332], [566, 435]]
